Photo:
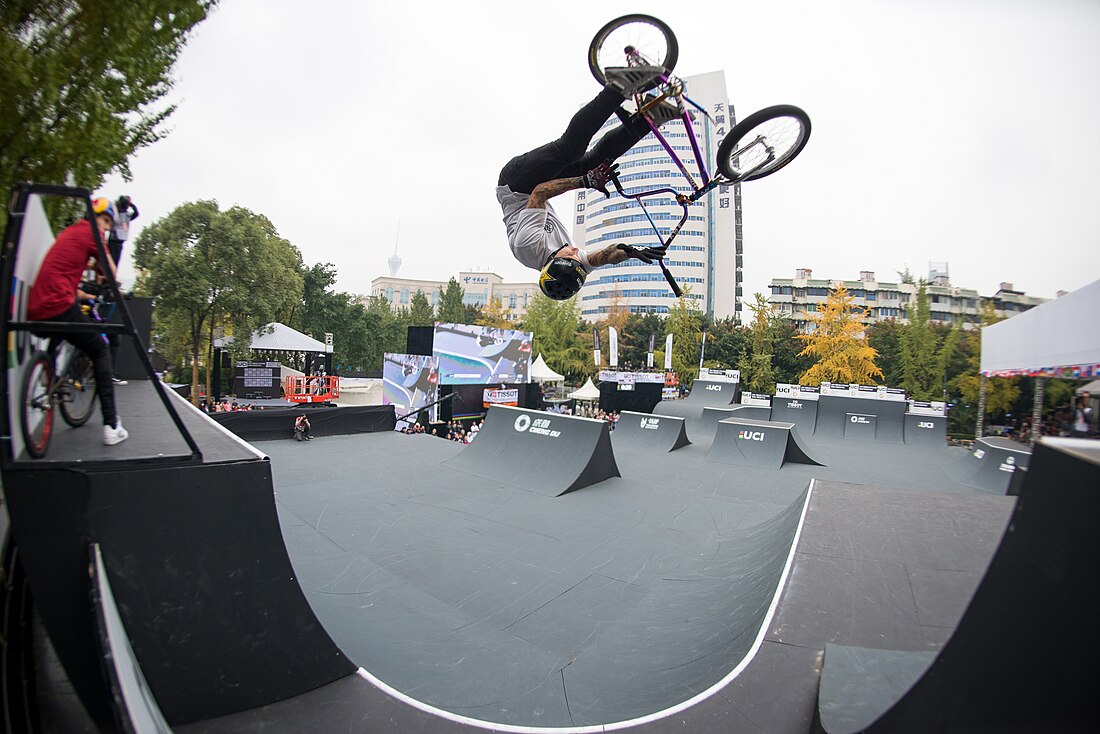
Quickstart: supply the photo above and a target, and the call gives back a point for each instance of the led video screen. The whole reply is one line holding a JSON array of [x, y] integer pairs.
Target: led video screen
[[480, 355]]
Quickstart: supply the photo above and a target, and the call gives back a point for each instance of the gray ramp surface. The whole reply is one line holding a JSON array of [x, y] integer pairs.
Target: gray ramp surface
[[768, 444], [484, 602], [1023, 655], [649, 432], [712, 393], [992, 462], [925, 430], [548, 453], [834, 418], [801, 412]]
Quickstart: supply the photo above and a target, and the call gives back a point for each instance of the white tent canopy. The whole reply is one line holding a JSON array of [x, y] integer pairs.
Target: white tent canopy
[[587, 391], [276, 337], [541, 372], [1058, 338]]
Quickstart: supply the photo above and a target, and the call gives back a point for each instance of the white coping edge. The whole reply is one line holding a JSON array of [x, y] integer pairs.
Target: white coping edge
[[245, 444], [765, 625]]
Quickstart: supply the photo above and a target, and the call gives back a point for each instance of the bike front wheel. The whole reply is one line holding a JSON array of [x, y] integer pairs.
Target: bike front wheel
[[632, 40], [78, 391], [36, 417], [763, 142]]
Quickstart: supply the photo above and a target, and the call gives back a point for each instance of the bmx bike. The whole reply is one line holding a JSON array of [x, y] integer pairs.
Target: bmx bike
[[758, 146], [61, 377]]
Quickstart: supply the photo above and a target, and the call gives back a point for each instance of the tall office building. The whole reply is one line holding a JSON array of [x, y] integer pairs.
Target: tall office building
[[705, 256]]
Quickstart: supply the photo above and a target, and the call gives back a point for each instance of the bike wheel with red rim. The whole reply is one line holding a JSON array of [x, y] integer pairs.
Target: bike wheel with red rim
[[36, 418]]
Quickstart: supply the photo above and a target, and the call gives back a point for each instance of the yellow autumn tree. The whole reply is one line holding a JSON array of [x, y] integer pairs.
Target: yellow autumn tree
[[839, 343], [495, 314]]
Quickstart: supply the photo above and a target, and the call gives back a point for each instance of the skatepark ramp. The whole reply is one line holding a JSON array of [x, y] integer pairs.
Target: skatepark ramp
[[860, 419], [712, 393], [1023, 655], [800, 411], [766, 444], [925, 430], [993, 461], [548, 453], [649, 432]]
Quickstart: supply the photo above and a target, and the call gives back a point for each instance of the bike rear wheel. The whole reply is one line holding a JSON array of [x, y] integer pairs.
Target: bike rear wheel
[[653, 42], [763, 142], [78, 390], [36, 417]]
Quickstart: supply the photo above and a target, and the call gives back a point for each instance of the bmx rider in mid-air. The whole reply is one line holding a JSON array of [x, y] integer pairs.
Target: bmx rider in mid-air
[[538, 238]]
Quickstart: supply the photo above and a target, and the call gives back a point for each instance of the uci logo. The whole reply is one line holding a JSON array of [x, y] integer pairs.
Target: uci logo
[[926, 424], [523, 422], [751, 435], [714, 387]]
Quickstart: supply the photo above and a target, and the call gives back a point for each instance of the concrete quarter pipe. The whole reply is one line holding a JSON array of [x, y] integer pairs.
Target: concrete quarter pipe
[[547, 453]]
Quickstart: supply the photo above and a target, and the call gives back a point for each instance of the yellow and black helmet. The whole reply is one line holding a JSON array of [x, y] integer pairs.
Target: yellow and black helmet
[[561, 278]]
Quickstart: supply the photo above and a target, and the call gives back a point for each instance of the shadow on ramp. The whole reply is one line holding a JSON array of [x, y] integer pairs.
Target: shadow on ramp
[[649, 432], [765, 444], [547, 453]]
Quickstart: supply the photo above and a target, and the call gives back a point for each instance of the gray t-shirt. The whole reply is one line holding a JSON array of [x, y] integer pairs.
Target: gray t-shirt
[[533, 234]]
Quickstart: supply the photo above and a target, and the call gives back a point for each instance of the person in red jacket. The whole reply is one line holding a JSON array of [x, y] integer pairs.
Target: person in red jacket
[[56, 296]]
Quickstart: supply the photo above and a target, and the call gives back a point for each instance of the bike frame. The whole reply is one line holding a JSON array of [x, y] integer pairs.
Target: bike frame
[[674, 93]]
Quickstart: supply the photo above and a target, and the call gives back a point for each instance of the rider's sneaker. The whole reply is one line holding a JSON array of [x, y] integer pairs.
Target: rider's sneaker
[[118, 381], [628, 80], [114, 434]]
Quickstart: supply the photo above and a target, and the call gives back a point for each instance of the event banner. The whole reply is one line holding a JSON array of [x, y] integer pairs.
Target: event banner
[[649, 354], [927, 407], [877, 392], [668, 353], [481, 355], [631, 378], [596, 347], [612, 346], [508, 396], [410, 381], [757, 399], [714, 375], [799, 392], [702, 351]]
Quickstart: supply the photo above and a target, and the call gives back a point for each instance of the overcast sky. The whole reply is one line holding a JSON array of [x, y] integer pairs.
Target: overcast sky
[[943, 130]]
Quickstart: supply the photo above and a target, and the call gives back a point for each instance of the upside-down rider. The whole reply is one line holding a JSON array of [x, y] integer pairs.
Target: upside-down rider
[[538, 238]]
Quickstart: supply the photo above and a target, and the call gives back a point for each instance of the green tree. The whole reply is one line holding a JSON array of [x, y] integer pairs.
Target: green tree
[[838, 343], [885, 338], [207, 268], [420, 310], [685, 323], [556, 326], [387, 332], [727, 343], [919, 350], [451, 308], [789, 362], [84, 84], [757, 374]]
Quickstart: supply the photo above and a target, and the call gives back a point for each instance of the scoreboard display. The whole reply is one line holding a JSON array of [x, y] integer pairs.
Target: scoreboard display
[[257, 380]]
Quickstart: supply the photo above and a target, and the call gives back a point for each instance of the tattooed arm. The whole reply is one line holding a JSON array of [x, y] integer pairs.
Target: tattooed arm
[[607, 256], [548, 190]]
